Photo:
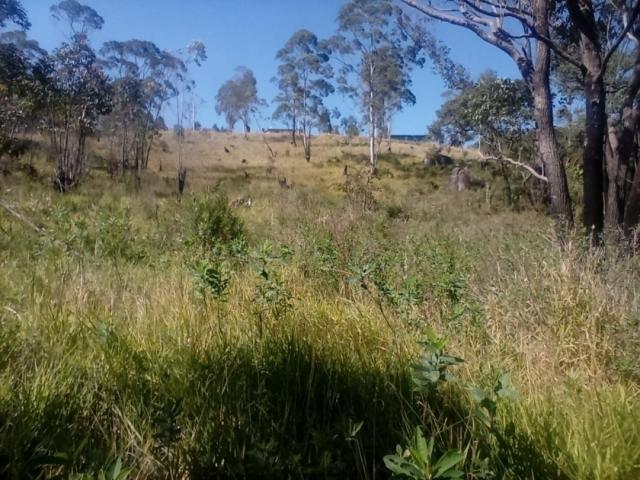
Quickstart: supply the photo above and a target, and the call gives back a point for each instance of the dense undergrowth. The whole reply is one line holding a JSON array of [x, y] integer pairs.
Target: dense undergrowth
[[307, 336]]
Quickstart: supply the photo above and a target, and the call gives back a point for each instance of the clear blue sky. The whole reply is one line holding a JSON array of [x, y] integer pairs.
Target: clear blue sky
[[249, 33]]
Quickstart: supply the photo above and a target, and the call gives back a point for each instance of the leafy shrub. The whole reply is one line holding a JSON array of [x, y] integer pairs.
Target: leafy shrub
[[212, 222], [211, 278], [396, 212], [420, 462], [115, 238]]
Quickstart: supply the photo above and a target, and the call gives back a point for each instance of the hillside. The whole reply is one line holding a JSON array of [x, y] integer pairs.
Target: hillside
[[285, 319]]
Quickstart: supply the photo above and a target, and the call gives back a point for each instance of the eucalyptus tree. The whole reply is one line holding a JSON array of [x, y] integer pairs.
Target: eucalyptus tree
[[376, 48], [79, 92], [286, 101], [80, 18], [350, 127], [22, 75], [369, 44], [601, 41], [144, 82], [496, 113], [23, 72], [194, 54], [303, 78], [12, 11], [237, 99], [519, 29]]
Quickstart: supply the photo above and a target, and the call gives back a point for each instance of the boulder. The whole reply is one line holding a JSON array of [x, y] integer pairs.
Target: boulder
[[459, 180], [437, 160]]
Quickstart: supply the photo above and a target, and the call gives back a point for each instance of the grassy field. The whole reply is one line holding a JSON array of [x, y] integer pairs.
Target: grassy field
[[310, 327]]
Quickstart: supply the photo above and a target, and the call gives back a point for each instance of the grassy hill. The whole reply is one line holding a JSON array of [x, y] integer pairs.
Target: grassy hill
[[286, 319]]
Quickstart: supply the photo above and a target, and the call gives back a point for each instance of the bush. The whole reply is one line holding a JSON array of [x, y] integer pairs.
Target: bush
[[212, 222]]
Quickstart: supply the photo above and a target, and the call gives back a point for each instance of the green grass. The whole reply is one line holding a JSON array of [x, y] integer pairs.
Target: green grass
[[191, 340]]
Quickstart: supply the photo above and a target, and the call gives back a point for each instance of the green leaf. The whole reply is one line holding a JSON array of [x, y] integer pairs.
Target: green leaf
[[424, 450], [401, 468], [114, 469], [477, 395], [447, 461], [453, 474]]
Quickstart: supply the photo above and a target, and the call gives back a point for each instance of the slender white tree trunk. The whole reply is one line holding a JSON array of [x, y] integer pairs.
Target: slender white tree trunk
[[373, 161]]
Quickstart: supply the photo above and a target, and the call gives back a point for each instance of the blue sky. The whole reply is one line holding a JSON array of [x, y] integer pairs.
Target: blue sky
[[249, 33]]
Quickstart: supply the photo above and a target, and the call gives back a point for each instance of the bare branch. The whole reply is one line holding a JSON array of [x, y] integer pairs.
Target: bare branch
[[12, 211], [490, 37], [629, 20], [528, 168]]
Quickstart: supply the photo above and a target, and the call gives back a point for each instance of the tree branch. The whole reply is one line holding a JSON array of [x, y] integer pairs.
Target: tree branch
[[629, 23], [489, 37], [12, 211], [528, 168]]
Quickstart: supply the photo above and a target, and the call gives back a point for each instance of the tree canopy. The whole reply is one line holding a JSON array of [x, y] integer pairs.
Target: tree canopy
[[237, 99]]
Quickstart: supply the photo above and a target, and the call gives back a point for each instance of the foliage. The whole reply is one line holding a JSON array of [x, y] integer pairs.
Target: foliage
[[493, 109], [79, 94], [350, 127], [303, 81], [375, 71], [13, 11], [237, 99], [212, 278], [212, 223], [81, 18], [145, 78], [433, 367], [23, 85], [419, 461]]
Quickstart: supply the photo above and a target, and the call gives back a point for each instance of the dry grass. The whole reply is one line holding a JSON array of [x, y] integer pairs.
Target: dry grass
[[108, 346]]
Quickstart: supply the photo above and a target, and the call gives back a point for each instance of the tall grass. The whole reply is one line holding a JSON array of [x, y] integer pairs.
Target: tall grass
[[186, 339]]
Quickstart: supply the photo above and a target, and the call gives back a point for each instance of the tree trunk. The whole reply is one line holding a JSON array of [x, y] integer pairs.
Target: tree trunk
[[614, 208], [593, 156], [373, 160], [582, 15], [547, 143], [293, 132], [306, 143], [622, 158]]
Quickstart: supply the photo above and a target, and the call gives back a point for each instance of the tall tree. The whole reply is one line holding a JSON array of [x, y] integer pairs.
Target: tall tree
[[517, 28], [601, 41], [81, 19], [376, 47], [23, 68], [303, 79], [195, 53], [350, 127], [237, 99], [79, 93], [287, 100], [13, 11], [143, 84]]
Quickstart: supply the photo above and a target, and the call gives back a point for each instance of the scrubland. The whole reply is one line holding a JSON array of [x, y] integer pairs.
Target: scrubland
[[285, 319]]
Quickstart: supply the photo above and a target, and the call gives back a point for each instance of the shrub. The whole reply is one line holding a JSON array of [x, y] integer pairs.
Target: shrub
[[212, 222]]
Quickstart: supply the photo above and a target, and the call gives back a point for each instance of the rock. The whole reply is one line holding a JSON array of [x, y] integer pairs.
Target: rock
[[242, 202], [459, 180], [437, 160], [282, 181]]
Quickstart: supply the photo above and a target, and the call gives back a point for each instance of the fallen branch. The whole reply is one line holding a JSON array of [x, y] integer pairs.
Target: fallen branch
[[528, 168], [12, 211]]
